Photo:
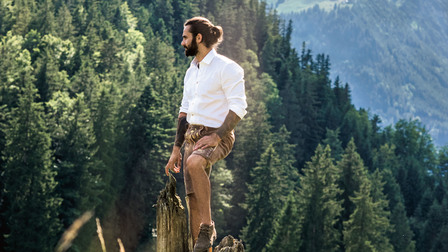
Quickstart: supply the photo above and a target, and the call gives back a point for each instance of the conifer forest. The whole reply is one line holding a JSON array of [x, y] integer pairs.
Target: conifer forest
[[89, 97]]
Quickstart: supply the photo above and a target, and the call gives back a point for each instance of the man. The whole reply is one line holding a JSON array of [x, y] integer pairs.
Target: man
[[213, 102]]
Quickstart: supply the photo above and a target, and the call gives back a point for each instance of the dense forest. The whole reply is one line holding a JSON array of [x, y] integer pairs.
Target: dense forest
[[391, 49], [89, 96]]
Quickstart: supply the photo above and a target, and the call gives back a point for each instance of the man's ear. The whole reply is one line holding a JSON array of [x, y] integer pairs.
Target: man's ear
[[198, 38]]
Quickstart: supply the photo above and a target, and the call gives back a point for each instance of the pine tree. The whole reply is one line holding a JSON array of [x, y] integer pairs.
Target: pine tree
[[441, 174], [318, 204], [356, 125], [366, 228], [286, 235], [352, 170], [29, 177], [440, 244], [48, 77], [436, 220], [221, 180], [79, 173], [288, 174], [12, 64], [342, 98], [64, 20], [85, 80], [23, 13], [105, 127], [4, 114], [382, 212], [401, 237], [6, 16], [332, 139], [110, 64], [44, 21], [146, 147], [415, 152], [263, 201], [442, 163], [353, 173]]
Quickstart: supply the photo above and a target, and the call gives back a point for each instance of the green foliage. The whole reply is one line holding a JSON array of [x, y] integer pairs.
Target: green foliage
[[318, 203], [105, 128], [368, 226], [263, 203], [332, 140], [435, 223], [89, 93], [401, 237], [28, 174], [353, 173], [366, 229], [73, 141], [416, 156], [286, 227], [221, 180], [14, 61]]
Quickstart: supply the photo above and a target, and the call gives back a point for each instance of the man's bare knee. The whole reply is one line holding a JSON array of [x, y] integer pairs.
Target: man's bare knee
[[196, 163]]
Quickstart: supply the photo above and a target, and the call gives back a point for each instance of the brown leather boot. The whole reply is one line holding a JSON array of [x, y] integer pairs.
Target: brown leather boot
[[207, 234]]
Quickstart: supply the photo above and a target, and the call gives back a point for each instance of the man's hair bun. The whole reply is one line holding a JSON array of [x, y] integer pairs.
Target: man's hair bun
[[211, 34]]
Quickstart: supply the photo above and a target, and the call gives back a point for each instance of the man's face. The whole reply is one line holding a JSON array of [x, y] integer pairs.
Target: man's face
[[189, 42]]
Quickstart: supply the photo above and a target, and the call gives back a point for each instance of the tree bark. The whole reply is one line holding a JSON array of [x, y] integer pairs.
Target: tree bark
[[172, 229]]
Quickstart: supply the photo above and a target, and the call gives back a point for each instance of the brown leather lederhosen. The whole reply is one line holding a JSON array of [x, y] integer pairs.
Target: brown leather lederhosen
[[211, 155]]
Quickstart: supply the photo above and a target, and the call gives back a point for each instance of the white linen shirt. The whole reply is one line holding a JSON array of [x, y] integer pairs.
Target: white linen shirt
[[211, 89]]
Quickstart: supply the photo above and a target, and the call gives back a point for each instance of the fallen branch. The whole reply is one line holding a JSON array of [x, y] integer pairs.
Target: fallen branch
[[70, 234]]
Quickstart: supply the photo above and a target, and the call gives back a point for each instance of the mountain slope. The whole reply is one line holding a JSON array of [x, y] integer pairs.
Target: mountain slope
[[393, 54]]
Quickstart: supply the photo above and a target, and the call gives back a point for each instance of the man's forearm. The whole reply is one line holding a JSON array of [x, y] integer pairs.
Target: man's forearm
[[229, 124], [182, 126]]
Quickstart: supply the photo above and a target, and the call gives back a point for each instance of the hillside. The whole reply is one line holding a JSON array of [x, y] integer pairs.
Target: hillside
[[286, 6], [392, 53]]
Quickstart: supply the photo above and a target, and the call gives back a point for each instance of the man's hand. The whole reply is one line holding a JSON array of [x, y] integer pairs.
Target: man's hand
[[174, 163], [207, 141]]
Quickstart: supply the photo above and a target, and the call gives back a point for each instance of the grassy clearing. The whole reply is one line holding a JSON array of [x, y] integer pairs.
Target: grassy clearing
[[300, 5]]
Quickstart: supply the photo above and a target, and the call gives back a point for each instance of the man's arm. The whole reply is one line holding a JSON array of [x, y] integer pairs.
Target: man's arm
[[182, 126], [213, 140], [229, 124], [174, 163]]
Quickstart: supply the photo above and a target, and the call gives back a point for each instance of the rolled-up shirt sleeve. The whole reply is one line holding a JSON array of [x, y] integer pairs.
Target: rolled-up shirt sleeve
[[234, 90], [184, 104]]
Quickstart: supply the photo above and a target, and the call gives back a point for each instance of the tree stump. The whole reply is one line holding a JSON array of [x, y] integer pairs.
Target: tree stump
[[229, 244], [172, 229]]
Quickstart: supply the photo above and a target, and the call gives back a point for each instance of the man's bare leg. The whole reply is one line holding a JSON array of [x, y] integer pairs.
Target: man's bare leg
[[199, 200]]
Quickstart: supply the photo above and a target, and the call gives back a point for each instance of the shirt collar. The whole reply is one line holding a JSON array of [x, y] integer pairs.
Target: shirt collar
[[207, 59]]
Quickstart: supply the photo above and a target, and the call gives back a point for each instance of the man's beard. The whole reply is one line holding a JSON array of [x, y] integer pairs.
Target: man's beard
[[193, 49]]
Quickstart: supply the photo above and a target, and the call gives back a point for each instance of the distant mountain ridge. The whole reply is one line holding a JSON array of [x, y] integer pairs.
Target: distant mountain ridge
[[393, 53]]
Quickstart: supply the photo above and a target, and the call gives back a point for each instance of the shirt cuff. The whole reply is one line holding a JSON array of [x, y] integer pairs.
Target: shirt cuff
[[183, 110], [240, 112]]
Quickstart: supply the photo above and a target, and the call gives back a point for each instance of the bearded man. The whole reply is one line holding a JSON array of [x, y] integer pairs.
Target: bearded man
[[213, 102]]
